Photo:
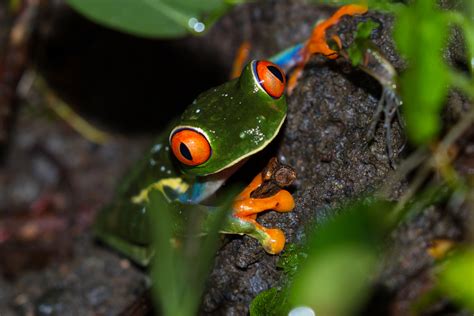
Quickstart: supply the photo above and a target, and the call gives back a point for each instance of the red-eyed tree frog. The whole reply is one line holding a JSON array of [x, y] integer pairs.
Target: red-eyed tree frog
[[214, 136], [221, 129]]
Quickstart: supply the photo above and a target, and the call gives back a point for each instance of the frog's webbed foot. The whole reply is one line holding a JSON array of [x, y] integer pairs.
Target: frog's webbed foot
[[317, 43], [264, 193]]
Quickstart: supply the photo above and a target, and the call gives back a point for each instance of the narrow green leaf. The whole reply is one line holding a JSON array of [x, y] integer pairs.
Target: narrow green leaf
[[421, 32], [183, 256]]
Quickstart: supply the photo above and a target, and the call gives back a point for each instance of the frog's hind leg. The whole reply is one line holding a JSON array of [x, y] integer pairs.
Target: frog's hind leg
[[110, 228], [139, 254]]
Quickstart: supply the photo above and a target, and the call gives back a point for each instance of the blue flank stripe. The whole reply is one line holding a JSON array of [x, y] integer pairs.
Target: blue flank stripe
[[288, 58], [193, 194]]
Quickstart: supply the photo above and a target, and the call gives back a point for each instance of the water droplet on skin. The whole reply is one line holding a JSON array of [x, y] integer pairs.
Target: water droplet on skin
[[198, 110], [242, 135], [156, 148]]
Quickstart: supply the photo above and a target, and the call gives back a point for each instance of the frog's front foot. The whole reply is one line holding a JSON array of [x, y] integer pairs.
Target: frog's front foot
[[264, 193]]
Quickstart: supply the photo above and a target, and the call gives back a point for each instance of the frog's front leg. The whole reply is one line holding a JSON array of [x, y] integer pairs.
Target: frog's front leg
[[246, 207]]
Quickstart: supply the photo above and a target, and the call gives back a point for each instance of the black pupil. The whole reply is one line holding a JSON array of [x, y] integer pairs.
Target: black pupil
[[185, 151], [277, 73]]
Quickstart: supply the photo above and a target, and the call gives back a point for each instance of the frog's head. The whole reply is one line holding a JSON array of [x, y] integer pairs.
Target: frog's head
[[231, 122]]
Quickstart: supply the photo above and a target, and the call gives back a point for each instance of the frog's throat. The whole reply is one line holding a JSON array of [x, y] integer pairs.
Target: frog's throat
[[205, 186]]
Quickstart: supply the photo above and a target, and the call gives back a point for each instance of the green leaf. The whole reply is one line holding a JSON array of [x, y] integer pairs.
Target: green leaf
[[182, 263], [272, 302], [291, 258], [357, 49], [421, 32], [457, 278], [150, 18], [335, 279]]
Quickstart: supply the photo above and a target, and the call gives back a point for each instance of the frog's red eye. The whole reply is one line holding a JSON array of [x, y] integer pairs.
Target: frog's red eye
[[271, 78], [190, 147]]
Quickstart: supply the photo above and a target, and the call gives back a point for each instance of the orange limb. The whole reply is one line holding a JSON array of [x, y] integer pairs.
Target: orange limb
[[293, 80], [247, 208], [256, 182], [282, 201], [337, 39], [240, 59], [317, 43]]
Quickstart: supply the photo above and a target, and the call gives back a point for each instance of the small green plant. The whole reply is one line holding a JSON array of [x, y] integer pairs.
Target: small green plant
[[356, 51]]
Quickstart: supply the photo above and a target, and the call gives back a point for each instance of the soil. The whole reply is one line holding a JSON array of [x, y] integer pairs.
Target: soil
[[113, 78]]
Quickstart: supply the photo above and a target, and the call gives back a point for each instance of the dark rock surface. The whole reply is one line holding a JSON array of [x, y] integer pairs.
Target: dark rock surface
[[323, 139]]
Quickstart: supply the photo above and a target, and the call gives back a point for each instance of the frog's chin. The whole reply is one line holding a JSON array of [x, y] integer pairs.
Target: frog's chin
[[224, 174], [211, 183]]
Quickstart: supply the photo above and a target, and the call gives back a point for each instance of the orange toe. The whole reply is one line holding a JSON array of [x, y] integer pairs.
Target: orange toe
[[275, 242]]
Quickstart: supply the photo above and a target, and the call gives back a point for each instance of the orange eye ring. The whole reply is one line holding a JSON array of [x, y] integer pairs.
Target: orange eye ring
[[271, 78], [190, 147]]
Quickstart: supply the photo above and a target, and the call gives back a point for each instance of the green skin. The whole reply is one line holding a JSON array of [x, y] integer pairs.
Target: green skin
[[238, 118]]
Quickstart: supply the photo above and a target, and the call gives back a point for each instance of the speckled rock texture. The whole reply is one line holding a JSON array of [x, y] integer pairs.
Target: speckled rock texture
[[113, 79]]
